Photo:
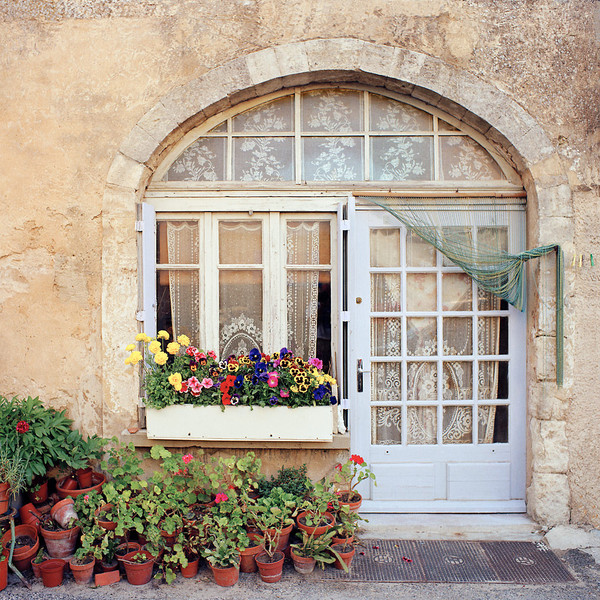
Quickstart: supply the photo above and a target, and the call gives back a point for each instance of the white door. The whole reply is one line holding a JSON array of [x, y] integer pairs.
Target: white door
[[439, 409]]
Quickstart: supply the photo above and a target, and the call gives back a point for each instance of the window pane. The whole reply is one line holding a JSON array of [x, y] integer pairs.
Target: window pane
[[272, 116], [302, 312], [422, 381], [492, 335], [240, 242], [177, 242], [421, 291], [385, 382], [458, 380], [332, 158], [385, 337], [422, 425], [457, 291], [492, 424], [492, 383], [391, 115], [308, 243], [204, 160], [332, 110], [495, 238], [385, 247], [458, 336], [457, 427], [385, 292], [401, 158], [418, 252], [463, 158], [263, 159], [240, 311], [421, 336], [386, 425]]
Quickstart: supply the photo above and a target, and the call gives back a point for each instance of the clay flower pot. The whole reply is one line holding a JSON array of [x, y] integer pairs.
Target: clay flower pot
[[52, 571], [226, 576], [70, 483], [138, 573], [63, 512], [346, 552], [350, 498], [248, 558], [270, 568], [3, 571], [342, 540], [4, 497], [303, 564], [122, 549], [284, 537], [98, 480], [83, 572], [39, 494], [317, 530], [30, 515], [192, 568], [84, 478], [108, 525], [22, 555], [61, 544]]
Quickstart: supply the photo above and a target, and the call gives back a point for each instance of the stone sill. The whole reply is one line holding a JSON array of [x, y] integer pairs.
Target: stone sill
[[140, 440]]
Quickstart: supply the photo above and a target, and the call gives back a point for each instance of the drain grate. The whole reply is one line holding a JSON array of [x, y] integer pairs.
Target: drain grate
[[396, 561]]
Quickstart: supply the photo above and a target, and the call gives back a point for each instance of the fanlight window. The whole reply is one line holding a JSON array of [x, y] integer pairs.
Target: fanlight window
[[334, 135]]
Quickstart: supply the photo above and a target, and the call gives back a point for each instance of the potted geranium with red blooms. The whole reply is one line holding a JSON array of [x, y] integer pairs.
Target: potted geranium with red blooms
[[347, 476]]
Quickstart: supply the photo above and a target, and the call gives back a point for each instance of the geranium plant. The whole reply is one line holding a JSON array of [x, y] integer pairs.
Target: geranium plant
[[349, 474], [178, 373]]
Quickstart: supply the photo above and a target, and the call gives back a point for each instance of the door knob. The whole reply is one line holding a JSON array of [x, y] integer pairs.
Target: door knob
[[359, 374]]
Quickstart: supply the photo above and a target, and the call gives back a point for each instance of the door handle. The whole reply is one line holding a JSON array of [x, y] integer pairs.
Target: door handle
[[359, 374]]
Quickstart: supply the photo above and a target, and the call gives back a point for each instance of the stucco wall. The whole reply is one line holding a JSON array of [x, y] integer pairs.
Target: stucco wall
[[77, 77]]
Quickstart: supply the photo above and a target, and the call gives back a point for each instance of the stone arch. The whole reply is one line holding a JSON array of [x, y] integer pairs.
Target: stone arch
[[463, 95]]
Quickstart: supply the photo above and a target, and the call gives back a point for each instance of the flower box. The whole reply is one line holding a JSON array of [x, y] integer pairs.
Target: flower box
[[235, 423]]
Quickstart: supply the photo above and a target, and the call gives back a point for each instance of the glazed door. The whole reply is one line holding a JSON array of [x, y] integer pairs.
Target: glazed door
[[436, 378]]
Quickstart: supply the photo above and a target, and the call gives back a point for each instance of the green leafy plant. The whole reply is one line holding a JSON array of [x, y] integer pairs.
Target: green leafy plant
[[13, 468], [292, 480], [347, 522], [320, 501], [317, 547], [349, 474]]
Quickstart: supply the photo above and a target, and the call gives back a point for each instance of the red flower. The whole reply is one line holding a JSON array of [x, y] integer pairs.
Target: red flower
[[22, 427], [338, 466], [357, 460]]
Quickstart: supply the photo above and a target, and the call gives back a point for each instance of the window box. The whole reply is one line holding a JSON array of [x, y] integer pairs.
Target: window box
[[189, 422]]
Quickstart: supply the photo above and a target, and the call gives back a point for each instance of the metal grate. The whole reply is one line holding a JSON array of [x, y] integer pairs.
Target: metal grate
[[395, 561]]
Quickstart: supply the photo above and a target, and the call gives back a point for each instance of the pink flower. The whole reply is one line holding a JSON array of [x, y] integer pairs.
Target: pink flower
[[207, 382], [86, 498], [221, 497], [191, 350], [186, 458], [194, 385], [212, 355], [184, 387], [273, 379], [284, 393], [315, 362]]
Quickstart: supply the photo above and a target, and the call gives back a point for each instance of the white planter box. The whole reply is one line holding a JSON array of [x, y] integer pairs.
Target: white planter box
[[278, 423]]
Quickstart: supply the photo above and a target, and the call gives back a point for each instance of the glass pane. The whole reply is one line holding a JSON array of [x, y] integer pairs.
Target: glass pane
[[421, 336], [385, 247], [418, 252], [391, 115], [263, 159], [492, 335], [458, 380], [458, 336], [308, 243], [204, 160], [385, 292], [240, 242], [421, 291], [488, 301], [492, 383], [457, 291], [463, 158], [492, 424], [177, 242], [178, 303], [401, 158], [443, 126], [240, 312], [422, 425], [385, 382], [222, 128], [302, 312], [332, 159], [495, 238], [457, 425], [385, 336], [332, 110], [422, 381], [386, 425], [459, 236], [272, 116]]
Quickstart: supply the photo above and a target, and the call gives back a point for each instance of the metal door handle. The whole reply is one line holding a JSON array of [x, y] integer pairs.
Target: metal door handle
[[359, 374]]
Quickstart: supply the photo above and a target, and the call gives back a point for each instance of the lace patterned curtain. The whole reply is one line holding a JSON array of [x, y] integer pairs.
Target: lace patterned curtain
[[184, 286], [302, 287]]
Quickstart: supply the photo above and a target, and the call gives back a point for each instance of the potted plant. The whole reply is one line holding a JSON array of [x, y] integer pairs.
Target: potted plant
[[344, 553], [60, 542], [311, 550], [13, 470], [316, 514], [347, 476], [82, 567], [25, 542], [40, 557], [138, 567], [223, 557], [346, 525]]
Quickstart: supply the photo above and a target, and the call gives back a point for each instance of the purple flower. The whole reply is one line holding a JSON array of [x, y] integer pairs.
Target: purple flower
[[273, 400], [333, 400]]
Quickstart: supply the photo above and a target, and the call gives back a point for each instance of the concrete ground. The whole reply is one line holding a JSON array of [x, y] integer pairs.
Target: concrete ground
[[578, 548]]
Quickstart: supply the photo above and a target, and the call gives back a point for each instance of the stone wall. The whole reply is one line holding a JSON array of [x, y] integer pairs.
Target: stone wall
[[93, 91]]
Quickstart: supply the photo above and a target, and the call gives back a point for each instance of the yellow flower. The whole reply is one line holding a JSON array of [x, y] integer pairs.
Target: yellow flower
[[184, 340], [173, 348], [130, 347], [134, 358], [160, 358], [294, 388], [303, 388], [162, 334], [154, 346], [175, 380], [142, 337]]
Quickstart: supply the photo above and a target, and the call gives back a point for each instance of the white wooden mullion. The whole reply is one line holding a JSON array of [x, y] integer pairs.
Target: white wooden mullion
[[436, 149], [210, 289], [274, 290], [229, 152], [297, 138], [403, 341], [366, 141]]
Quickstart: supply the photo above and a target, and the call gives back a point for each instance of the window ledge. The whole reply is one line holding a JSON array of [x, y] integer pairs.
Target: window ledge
[[140, 440]]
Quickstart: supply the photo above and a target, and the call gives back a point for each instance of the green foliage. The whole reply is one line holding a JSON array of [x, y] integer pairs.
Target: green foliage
[[13, 468], [321, 500], [349, 474], [347, 521], [292, 480], [317, 547]]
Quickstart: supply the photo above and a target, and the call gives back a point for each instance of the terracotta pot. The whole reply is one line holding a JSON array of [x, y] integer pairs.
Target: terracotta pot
[[303, 564], [226, 577], [192, 568], [284, 537], [70, 483], [169, 538], [98, 479], [138, 573], [30, 515], [346, 555], [84, 477], [108, 525], [4, 501], [270, 569], [342, 540], [4, 487], [353, 504], [3, 572], [35, 567], [53, 571], [83, 574], [39, 494], [63, 512], [320, 530], [22, 556], [123, 549], [108, 567], [61, 544], [248, 559]]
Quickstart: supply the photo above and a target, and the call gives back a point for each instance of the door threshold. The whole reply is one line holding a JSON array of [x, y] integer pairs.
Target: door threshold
[[465, 526]]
